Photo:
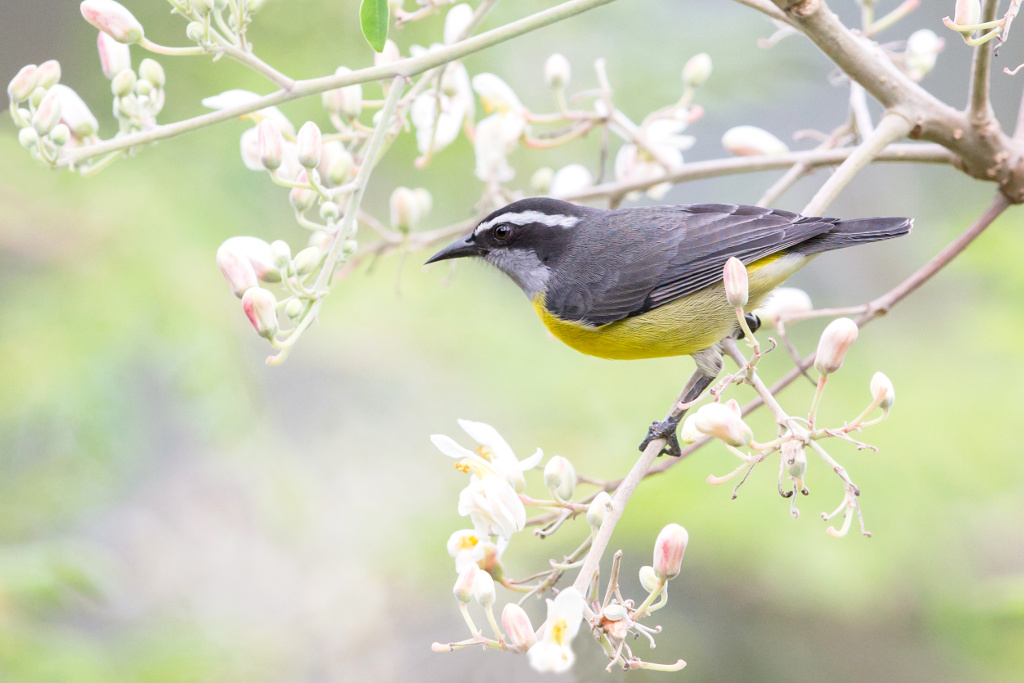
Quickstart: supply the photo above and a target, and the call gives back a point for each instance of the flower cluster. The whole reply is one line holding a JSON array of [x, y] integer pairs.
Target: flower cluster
[[495, 500]]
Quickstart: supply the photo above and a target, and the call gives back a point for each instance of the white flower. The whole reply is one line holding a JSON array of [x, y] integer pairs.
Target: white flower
[[570, 180], [923, 48], [492, 504], [250, 145], [496, 95], [783, 302], [493, 449], [663, 153], [438, 117], [466, 547], [553, 652], [456, 22], [234, 98], [496, 137]]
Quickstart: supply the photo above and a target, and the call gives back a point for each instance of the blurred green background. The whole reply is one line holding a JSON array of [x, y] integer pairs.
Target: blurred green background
[[171, 509]]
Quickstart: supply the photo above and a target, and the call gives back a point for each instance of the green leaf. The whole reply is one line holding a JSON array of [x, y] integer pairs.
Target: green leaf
[[375, 19]]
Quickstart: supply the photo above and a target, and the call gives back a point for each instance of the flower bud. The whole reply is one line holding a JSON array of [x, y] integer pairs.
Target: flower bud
[[150, 70], [570, 179], [114, 19], [490, 560], [301, 198], [668, 551], [967, 12], [794, 458], [28, 137], [737, 288], [261, 308], [115, 57], [75, 113], [557, 71], [60, 135], [483, 589], [294, 308], [307, 260], [518, 627], [335, 163], [425, 200], [615, 612], [143, 88], [697, 70], [250, 148], [195, 31], [257, 252], [649, 579], [463, 589], [405, 209], [541, 179], [236, 268], [36, 98], [330, 211], [719, 421], [389, 55], [835, 341], [689, 433], [560, 475], [495, 94], [204, 6], [456, 23], [923, 48], [321, 240], [309, 143], [883, 391], [752, 141], [123, 83], [271, 144], [784, 302], [48, 113], [24, 82], [281, 254], [347, 101], [48, 74], [348, 248], [598, 508]]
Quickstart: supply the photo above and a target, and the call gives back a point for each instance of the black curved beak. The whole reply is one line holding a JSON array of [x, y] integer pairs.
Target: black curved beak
[[464, 247]]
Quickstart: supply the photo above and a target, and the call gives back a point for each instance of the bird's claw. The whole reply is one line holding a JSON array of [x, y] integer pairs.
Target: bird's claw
[[666, 429]]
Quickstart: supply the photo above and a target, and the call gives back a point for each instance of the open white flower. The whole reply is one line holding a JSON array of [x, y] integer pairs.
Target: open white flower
[[493, 449], [438, 116], [469, 546], [491, 503], [663, 150], [496, 137], [234, 98], [553, 652]]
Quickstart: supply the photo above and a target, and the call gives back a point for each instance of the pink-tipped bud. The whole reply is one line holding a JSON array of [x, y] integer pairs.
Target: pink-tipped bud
[[74, 113], [518, 627], [114, 19], [835, 341], [301, 198], [48, 114], [784, 302], [752, 141], [721, 422], [967, 12], [309, 144], [649, 579], [236, 269], [697, 70], [483, 589], [668, 551], [883, 391], [456, 22], [257, 252], [115, 57], [405, 209], [271, 144], [560, 475], [23, 84], [598, 508], [48, 74], [261, 308], [463, 589], [557, 71], [737, 286]]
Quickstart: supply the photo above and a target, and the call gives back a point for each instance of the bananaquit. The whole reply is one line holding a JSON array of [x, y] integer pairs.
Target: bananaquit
[[646, 282]]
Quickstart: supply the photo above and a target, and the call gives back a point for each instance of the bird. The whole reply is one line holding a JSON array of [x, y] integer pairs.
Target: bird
[[647, 281]]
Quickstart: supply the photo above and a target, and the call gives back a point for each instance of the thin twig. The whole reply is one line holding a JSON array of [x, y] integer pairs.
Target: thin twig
[[980, 106]]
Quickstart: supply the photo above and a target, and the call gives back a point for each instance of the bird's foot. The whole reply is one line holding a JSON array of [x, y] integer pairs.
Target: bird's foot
[[666, 429]]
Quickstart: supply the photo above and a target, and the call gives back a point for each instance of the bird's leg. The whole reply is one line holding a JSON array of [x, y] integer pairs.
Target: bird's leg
[[709, 364]]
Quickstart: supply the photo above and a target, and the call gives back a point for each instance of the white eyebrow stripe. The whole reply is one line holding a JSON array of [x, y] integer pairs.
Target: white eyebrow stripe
[[526, 217]]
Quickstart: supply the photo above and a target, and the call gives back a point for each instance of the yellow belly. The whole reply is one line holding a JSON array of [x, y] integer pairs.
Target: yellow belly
[[682, 327]]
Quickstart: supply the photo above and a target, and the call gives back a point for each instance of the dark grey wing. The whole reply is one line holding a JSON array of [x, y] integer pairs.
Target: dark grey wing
[[640, 259]]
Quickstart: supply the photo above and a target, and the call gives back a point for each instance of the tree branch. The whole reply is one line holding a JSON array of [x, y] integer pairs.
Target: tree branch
[[892, 127], [980, 106]]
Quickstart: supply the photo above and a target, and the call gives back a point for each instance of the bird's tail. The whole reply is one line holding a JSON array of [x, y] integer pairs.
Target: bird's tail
[[853, 232]]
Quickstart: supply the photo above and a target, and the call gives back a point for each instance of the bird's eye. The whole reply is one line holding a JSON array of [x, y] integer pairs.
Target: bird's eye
[[502, 232]]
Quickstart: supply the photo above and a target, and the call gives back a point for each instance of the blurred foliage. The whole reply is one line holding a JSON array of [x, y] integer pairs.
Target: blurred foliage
[[173, 510]]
